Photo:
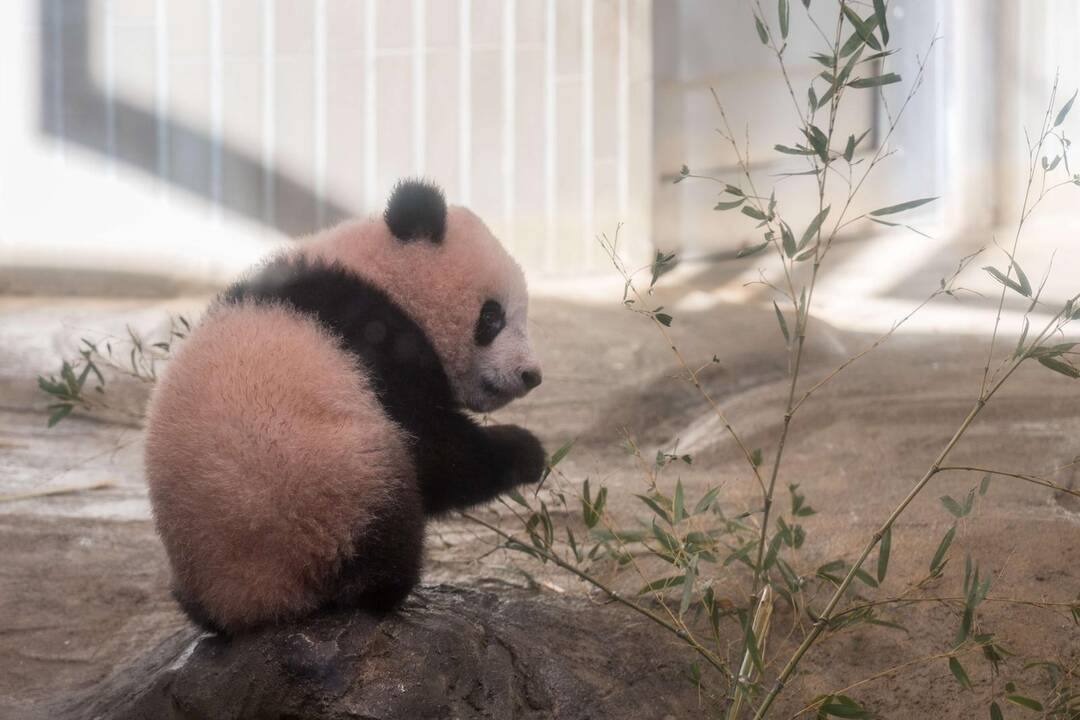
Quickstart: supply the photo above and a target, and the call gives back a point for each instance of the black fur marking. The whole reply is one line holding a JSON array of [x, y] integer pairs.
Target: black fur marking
[[458, 462], [196, 612], [417, 210], [387, 556], [490, 323]]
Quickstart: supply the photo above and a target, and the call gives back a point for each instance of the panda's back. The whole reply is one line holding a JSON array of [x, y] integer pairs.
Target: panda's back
[[267, 453]]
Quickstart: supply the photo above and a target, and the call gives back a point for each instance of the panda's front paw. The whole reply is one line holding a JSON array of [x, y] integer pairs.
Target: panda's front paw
[[523, 451]]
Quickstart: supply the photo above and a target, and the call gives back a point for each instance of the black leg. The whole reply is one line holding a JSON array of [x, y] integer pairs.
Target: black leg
[[196, 612], [462, 464], [387, 557]]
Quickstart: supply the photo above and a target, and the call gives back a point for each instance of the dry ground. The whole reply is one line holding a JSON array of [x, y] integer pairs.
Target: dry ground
[[84, 583]]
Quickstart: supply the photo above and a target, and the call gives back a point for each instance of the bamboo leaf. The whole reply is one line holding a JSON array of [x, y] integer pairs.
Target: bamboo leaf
[[678, 512], [706, 500], [814, 226], [879, 13], [783, 322], [1025, 702], [1064, 110], [721, 205], [901, 207], [1060, 366], [656, 508], [875, 81], [662, 584], [788, 240], [785, 17], [762, 33], [959, 673], [793, 150], [59, 412], [1025, 285], [1004, 280], [752, 250], [556, 459], [855, 42], [943, 547], [952, 506], [751, 211], [863, 28], [865, 577], [883, 554]]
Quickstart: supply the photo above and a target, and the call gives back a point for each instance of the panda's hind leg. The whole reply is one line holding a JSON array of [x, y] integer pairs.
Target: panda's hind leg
[[387, 557], [196, 612]]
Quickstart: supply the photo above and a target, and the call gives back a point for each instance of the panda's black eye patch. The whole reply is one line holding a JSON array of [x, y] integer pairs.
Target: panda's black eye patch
[[490, 323]]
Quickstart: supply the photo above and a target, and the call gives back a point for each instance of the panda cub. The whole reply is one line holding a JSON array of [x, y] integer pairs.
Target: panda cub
[[316, 416]]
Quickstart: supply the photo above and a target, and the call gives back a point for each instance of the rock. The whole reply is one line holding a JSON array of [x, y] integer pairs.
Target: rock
[[448, 653]]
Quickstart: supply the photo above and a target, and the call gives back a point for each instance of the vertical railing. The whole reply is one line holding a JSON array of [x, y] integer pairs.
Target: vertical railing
[[230, 134]]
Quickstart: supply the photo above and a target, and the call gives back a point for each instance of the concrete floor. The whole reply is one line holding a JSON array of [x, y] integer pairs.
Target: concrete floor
[[84, 583]]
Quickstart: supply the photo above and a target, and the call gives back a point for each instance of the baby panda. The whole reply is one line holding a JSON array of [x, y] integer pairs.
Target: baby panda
[[316, 416]]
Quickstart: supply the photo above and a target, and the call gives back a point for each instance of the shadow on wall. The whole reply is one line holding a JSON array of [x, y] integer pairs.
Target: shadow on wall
[[74, 109]]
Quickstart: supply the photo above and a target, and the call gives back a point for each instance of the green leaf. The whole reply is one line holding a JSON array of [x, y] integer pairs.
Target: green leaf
[[813, 227], [875, 81], [1025, 285], [679, 512], [661, 261], [656, 508], [664, 319], [855, 42], [910, 204], [1064, 110], [842, 706], [752, 250], [883, 554], [706, 500], [721, 205], [985, 484], [688, 587], [667, 540], [849, 150], [755, 457], [784, 12], [517, 497], [958, 672], [1025, 702], [762, 33], [952, 506], [1060, 366], [879, 13], [556, 459], [751, 211], [1004, 280], [59, 412], [865, 577], [662, 584], [819, 141], [793, 150], [783, 325], [863, 28], [788, 240], [943, 547], [995, 712]]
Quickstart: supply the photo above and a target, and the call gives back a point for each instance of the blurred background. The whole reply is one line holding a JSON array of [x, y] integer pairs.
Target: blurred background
[[154, 145]]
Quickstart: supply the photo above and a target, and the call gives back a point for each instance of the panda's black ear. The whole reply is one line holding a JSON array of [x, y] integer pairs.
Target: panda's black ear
[[416, 211]]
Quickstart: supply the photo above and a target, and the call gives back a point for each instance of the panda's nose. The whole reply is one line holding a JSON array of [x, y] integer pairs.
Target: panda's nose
[[531, 377]]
